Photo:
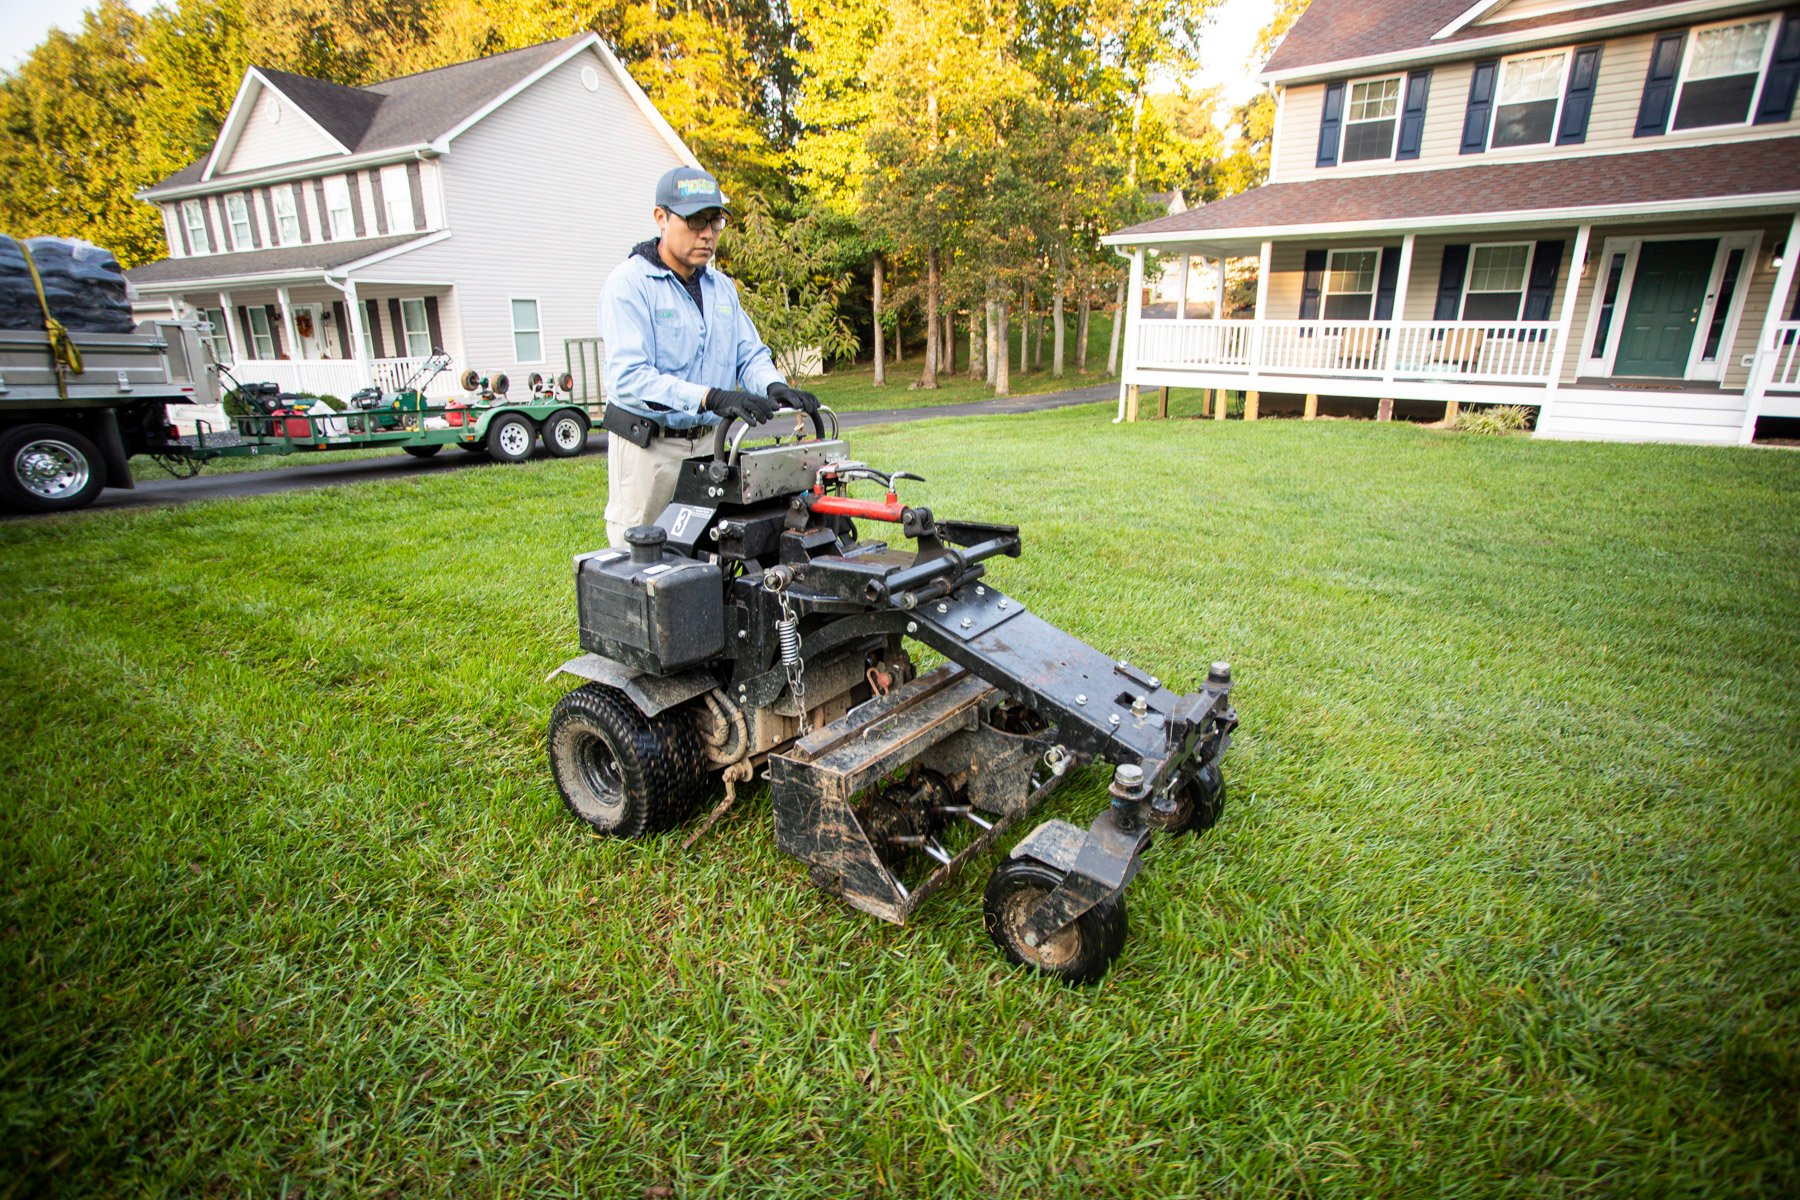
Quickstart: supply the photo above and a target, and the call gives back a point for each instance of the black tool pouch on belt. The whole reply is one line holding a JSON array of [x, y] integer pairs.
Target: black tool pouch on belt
[[639, 431]]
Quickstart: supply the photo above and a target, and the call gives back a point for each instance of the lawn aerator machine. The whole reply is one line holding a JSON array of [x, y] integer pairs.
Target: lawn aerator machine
[[752, 625]]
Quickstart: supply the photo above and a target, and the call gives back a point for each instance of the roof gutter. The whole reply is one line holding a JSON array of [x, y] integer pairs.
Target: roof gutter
[[309, 169]]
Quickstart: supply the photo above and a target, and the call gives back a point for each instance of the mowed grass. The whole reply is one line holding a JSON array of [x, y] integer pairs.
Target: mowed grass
[[1504, 902]]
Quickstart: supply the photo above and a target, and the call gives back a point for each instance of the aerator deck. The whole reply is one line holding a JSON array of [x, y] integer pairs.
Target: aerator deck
[[754, 625]]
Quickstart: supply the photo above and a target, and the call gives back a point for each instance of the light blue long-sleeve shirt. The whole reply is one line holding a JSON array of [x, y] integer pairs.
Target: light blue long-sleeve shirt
[[663, 355]]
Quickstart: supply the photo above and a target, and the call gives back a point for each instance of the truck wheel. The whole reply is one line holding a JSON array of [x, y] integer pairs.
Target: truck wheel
[[423, 451], [48, 468], [622, 772], [565, 433], [1199, 802], [1079, 954], [509, 438]]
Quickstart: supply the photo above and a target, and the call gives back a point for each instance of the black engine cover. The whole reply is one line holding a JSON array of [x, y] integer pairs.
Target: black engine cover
[[661, 617]]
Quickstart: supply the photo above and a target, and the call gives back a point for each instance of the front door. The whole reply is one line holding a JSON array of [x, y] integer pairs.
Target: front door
[[312, 322], [1657, 337]]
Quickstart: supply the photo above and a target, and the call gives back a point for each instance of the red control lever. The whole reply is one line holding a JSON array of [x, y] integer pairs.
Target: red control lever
[[868, 510]]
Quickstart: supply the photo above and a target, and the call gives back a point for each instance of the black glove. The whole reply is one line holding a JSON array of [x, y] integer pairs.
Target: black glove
[[793, 397], [746, 406]]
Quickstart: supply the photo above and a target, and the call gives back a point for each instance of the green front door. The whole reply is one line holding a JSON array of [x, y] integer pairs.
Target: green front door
[[1664, 312]]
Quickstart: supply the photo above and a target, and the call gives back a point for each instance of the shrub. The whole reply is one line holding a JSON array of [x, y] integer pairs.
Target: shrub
[[1498, 418]]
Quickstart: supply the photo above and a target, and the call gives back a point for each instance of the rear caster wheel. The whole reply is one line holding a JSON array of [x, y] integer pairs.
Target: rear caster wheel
[[1079, 954], [625, 774], [1199, 802]]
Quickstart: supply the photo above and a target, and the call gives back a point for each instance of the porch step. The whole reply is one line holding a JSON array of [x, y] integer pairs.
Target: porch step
[[1631, 416]]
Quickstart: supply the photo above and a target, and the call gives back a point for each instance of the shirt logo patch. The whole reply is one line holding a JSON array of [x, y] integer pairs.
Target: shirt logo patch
[[665, 314]]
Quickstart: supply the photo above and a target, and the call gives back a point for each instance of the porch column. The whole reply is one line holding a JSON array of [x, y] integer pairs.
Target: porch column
[[1262, 311], [1219, 302], [1134, 307], [1181, 302], [287, 323], [1764, 362], [233, 336], [1399, 313], [1565, 321]]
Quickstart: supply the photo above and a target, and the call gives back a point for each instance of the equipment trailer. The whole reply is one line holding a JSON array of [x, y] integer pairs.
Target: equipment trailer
[[751, 625]]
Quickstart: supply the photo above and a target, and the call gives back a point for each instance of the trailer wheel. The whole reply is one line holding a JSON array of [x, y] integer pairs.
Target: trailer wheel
[[625, 774], [565, 433], [1199, 802], [1079, 954], [423, 451], [49, 468], [509, 438], [473, 447]]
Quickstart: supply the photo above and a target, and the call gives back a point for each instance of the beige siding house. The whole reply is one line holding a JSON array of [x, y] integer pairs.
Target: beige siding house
[[336, 237], [1589, 209]]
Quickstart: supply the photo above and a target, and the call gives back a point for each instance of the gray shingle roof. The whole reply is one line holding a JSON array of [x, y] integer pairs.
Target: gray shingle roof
[[288, 260], [403, 112]]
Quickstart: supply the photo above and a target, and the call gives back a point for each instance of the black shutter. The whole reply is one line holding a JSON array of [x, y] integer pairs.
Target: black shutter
[[1312, 285], [431, 323], [212, 225], [181, 228], [1578, 97], [256, 238], [1450, 282], [356, 213], [1541, 287], [268, 207], [1659, 86], [1386, 280], [244, 332], [274, 327], [1777, 103], [397, 328], [1329, 123], [374, 319], [299, 191], [416, 183], [1412, 114], [380, 202], [318, 187], [343, 328], [1481, 106]]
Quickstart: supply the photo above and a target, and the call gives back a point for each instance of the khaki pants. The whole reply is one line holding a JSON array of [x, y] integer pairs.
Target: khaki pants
[[640, 481]]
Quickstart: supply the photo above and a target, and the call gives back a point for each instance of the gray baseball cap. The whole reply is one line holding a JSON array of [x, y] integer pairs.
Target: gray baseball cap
[[688, 190]]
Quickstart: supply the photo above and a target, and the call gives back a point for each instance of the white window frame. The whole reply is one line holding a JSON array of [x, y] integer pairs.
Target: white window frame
[[332, 195], [407, 331], [1399, 115], [1325, 292], [193, 219], [237, 207], [1469, 280], [396, 189], [1682, 78], [259, 336], [537, 309], [284, 217], [219, 339], [1747, 240], [1562, 94]]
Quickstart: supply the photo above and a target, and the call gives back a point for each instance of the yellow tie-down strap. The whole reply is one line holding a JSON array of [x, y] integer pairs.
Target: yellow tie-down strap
[[63, 349]]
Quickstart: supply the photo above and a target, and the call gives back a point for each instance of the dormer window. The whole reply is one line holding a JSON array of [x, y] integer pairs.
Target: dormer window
[[1531, 87], [194, 217], [1370, 120], [1720, 73], [287, 216]]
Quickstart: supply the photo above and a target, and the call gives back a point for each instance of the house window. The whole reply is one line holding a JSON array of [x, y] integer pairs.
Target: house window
[[1719, 76], [1370, 120], [528, 344], [337, 208], [1496, 284], [396, 193], [1350, 284], [262, 337], [1715, 330], [287, 218], [216, 337], [1525, 107], [415, 329], [195, 219], [238, 214]]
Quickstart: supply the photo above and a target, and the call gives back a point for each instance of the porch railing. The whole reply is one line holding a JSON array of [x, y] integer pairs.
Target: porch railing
[[1784, 358], [1482, 351], [342, 377]]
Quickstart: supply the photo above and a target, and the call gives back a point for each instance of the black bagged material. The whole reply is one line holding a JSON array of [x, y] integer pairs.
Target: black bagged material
[[83, 283]]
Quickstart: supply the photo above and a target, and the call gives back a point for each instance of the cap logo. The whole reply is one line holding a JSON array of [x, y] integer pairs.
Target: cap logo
[[694, 187]]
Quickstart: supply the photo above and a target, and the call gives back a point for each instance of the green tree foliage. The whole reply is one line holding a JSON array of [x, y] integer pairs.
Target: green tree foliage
[[797, 300]]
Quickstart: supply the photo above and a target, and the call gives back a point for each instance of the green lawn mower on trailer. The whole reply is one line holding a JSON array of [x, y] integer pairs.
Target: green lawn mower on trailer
[[752, 625]]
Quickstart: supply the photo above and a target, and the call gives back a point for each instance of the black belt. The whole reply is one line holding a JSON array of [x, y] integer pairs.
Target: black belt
[[641, 430]]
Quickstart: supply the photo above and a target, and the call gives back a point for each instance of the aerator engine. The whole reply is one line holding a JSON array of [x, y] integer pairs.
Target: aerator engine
[[753, 625]]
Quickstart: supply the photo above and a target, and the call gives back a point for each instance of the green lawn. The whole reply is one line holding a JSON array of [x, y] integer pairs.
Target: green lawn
[[1504, 904]]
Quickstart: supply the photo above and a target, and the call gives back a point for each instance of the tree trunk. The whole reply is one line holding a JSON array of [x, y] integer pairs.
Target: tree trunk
[[1002, 363], [899, 337], [974, 341], [949, 357], [880, 336], [993, 338], [1112, 355], [928, 379], [1081, 329], [1057, 358], [1025, 333]]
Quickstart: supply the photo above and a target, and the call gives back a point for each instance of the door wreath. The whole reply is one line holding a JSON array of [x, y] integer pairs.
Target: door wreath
[[303, 324]]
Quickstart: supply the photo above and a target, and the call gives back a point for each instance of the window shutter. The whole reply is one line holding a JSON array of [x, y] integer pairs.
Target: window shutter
[[1412, 114], [1387, 278], [1659, 86], [1541, 287], [268, 207], [256, 237], [1450, 282], [1578, 97], [431, 323], [1312, 285], [244, 329], [187, 247], [380, 202], [415, 183], [300, 212], [343, 328], [274, 327], [1777, 103], [1481, 106], [396, 329], [1330, 123], [318, 188], [374, 308], [356, 213]]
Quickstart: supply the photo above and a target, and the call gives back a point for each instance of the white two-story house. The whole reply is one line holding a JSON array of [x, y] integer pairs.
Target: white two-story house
[[337, 236], [1587, 207]]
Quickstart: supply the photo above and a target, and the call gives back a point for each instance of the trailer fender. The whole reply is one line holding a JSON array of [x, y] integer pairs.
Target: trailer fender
[[1096, 864], [651, 694]]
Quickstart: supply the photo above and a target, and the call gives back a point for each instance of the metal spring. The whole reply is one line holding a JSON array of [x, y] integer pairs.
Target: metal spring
[[788, 631]]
